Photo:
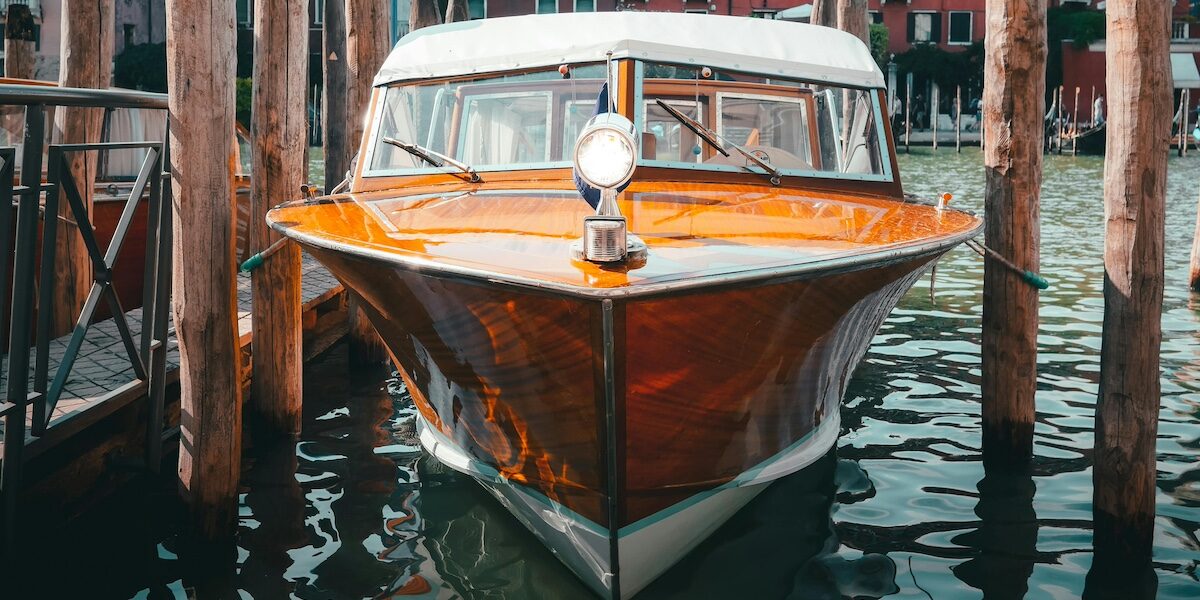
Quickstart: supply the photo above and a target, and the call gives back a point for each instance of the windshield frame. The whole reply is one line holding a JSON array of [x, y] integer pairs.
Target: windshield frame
[[636, 82], [885, 145]]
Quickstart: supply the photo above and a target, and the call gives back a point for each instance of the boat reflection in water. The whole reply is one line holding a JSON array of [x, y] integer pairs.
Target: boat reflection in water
[[626, 269]]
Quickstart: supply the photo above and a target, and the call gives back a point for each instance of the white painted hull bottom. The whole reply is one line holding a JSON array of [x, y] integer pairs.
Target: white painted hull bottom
[[648, 547]]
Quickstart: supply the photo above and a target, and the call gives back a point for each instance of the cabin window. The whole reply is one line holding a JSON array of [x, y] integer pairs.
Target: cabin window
[[961, 23], [492, 123], [672, 141], [757, 121], [924, 27], [506, 128], [799, 128]]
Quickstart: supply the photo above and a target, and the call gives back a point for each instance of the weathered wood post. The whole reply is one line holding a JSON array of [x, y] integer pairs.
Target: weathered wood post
[[907, 117], [334, 116], [1075, 125], [86, 62], [824, 13], [958, 119], [1092, 109], [367, 45], [1014, 105], [458, 10], [1181, 142], [20, 41], [201, 58], [423, 13], [1135, 178], [852, 18], [934, 102], [278, 129], [1060, 119]]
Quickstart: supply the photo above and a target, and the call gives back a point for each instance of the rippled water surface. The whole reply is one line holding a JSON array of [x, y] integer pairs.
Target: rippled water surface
[[901, 509]]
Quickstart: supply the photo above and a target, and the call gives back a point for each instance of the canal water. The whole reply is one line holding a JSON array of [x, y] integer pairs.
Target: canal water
[[901, 509]]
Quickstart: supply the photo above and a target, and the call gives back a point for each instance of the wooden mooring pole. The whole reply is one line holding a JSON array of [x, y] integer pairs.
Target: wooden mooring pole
[[1059, 107], [958, 119], [201, 58], [934, 109], [86, 62], [20, 41], [336, 142], [1014, 106], [278, 130], [1135, 178], [1092, 109], [907, 117], [458, 10], [367, 45], [1075, 125]]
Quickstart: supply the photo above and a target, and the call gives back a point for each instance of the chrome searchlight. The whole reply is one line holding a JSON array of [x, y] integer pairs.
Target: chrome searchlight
[[605, 156]]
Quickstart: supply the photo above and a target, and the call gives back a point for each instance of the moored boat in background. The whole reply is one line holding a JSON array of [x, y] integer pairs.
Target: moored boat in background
[[625, 373]]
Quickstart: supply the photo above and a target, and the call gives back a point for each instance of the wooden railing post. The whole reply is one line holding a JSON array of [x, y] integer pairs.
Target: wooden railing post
[[86, 51], [1014, 105], [280, 164], [201, 56], [1135, 179], [20, 40], [367, 45]]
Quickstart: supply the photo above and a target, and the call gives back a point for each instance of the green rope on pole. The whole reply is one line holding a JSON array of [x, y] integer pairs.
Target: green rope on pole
[[1029, 277], [252, 263], [256, 261], [1035, 280]]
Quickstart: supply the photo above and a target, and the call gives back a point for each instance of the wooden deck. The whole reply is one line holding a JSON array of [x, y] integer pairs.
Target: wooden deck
[[102, 379]]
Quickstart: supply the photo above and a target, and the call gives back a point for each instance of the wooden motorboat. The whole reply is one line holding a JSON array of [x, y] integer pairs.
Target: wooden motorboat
[[625, 373]]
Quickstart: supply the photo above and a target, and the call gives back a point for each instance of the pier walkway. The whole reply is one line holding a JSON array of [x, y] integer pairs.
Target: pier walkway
[[102, 380]]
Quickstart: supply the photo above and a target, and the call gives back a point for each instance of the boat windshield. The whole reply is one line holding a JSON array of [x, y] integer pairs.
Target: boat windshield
[[799, 128], [531, 121]]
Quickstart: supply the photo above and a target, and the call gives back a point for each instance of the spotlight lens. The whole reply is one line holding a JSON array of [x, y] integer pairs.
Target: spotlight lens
[[604, 157]]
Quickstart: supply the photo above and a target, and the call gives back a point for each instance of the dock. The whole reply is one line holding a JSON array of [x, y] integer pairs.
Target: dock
[[102, 380]]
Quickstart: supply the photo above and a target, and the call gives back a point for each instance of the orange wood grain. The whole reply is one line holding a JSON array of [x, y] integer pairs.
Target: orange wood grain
[[507, 376], [693, 229], [717, 383]]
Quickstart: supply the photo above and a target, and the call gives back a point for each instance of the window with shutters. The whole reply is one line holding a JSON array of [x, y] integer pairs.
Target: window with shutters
[[1179, 30], [547, 6], [924, 27], [585, 5], [960, 27], [876, 17]]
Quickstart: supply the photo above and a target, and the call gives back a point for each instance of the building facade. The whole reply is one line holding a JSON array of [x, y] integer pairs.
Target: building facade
[[951, 25], [137, 22]]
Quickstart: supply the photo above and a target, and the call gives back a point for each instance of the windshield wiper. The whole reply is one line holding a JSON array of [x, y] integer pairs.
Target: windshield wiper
[[434, 157], [715, 139]]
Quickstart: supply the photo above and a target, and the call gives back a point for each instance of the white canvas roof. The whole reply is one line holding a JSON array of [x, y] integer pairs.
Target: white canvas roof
[[767, 47]]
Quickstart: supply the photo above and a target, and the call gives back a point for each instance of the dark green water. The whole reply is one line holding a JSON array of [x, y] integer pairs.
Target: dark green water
[[901, 509]]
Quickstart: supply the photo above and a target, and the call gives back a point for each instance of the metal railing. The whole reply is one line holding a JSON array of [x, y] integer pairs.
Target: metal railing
[[27, 319]]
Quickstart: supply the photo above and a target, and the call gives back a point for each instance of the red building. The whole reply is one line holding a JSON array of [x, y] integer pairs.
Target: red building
[[950, 24], [1084, 68]]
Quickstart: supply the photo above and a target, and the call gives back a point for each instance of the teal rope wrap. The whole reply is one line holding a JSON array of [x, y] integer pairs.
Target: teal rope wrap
[[252, 263], [1035, 280]]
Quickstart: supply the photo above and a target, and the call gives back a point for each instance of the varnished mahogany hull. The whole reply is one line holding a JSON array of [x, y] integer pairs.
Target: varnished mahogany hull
[[714, 390]]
